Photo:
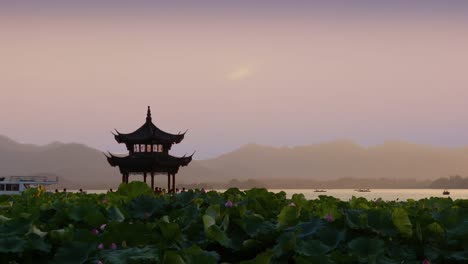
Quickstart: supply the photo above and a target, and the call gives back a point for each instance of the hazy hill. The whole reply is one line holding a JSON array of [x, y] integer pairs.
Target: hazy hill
[[342, 159], [85, 167], [77, 164]]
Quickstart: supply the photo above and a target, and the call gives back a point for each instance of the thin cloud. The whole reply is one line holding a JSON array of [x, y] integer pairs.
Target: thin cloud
[[240, 73]]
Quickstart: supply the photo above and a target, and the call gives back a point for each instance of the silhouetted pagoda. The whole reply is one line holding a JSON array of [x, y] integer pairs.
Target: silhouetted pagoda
[[148, 150]]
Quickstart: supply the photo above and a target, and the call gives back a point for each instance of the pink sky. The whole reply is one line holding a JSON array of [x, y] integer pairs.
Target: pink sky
[[277, 79]]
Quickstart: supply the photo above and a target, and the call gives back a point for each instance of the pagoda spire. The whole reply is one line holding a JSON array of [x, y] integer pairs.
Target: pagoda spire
[[148, 115]]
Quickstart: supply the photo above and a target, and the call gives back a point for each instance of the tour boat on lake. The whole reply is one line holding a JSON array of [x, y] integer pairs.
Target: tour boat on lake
[[446, 192], [362, 190], [18, 184]]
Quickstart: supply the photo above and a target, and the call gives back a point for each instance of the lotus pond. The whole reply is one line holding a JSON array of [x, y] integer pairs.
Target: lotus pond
[[133, 225]]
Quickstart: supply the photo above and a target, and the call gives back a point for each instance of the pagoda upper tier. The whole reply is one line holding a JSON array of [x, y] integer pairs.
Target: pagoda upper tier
[[148, 133]]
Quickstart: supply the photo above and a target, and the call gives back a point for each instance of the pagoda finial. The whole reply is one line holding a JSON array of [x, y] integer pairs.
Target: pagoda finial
[[148, 115]]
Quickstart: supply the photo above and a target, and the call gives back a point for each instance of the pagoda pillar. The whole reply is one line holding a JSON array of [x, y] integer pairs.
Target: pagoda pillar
[[168, 182], [152, 181], [173, 183], [123, 177], [144, 176], [126, 177]]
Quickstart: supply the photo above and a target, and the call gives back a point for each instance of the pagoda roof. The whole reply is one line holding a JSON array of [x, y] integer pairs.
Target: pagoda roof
[[149, 162], [149, 132]]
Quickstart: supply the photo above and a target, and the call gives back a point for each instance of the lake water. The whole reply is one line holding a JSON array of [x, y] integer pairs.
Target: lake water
[[385, 194]]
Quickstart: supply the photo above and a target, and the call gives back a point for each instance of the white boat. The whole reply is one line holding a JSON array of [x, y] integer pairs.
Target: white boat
[[18, 184]]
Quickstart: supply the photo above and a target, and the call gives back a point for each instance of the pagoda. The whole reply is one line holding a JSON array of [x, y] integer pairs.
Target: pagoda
[[148, 148]]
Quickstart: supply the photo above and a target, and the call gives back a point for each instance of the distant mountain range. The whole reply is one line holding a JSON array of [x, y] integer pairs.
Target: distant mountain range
[[80, 166]]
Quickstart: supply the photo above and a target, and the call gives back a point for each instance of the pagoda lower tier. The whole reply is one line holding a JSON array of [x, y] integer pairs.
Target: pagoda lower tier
[[149, 163]]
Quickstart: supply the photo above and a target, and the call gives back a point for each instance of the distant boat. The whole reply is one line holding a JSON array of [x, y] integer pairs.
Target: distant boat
[[446, 192], [319, 190], [18, 184], [362, 190]]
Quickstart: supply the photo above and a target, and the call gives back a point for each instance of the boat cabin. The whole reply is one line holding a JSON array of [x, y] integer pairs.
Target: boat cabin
[[18, 184]]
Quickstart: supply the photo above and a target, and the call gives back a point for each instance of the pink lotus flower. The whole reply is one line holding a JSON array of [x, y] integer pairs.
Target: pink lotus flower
[[94, 231], [100, 246], [228, 204], [426, 261], [329, 217], [99, 262], [103, 226], [292, 204], [104, 201], [113, 246]]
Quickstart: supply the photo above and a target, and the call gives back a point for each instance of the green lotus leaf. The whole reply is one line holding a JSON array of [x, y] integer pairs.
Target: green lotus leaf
[[286, 245], [254, 224], [4, 219], [356, 219], [451, 217], [330, 236], [312, 247], [87, 214], [61, 235], [380, 221], [225, 224], [134, 189], [213, 211], [172, 257], [299, 200], [195, 254], [208, 221], [147, 254], [397, 251], [35, 242], [402, 222], [250, 243], [262, 258], [435, 229], [84, 235], [73, 253], [321, 259], [114, 214], [460, 256], [37, 231], [216, 234], [12, 244], [143, 207], [382, 259], [289, 216], [170, 231], [366, 247], [185, 216], [134, 234], [307, 229], [459, 231], [359, 203], [432, 252], [17, 226], [263, 202], [186, 197]]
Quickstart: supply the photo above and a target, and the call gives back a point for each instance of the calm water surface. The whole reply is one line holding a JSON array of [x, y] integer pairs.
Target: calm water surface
[[385, 194]]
